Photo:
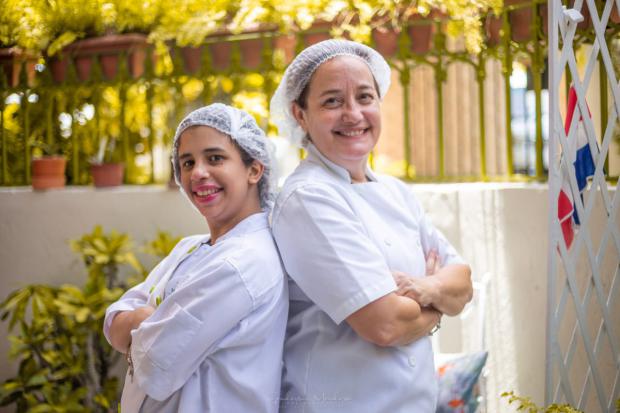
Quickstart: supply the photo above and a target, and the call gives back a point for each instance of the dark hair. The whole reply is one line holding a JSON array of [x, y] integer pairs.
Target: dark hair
[[245, 157]]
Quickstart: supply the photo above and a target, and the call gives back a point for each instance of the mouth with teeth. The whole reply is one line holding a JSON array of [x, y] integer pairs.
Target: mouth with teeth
[[205, 195], [351, 133]]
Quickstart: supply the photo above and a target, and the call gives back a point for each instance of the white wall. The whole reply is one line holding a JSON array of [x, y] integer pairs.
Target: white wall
[[499, 228]]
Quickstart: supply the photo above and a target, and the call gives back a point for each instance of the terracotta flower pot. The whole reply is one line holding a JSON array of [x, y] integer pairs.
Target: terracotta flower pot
[[192, 58], [48, 172], [615, 14], [12, 61], [319, 32], [585, 12], [386, 41], [220, 55], [287, 44], [493, 27], [107, 174], [544, 18], [521, 21], [421, 35], [57, 66], [251, 52]]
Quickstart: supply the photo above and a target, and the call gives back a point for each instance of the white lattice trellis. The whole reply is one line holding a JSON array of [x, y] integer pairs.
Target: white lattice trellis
[[583, 341]]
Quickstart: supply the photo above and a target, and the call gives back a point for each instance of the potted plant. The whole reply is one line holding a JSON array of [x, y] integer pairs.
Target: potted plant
[[22, 37], [48, 166], [106, 168], [187, 28], [385, 41], [107, 31]]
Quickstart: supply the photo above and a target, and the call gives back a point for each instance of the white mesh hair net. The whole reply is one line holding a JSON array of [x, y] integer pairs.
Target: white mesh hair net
[[298, 74], [242, 128]]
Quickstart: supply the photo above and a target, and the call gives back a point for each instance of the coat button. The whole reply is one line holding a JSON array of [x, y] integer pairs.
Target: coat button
[[412, 361]]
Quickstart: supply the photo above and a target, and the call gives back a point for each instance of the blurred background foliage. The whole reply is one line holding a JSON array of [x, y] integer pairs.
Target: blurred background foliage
[[64, 361]]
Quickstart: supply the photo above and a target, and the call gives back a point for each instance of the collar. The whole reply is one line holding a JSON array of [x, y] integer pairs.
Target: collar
[[251, 223], [314, 155]]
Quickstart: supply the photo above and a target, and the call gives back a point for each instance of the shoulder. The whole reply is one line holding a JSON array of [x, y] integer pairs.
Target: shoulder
[[311, 185], [403, 190], [254, 258]]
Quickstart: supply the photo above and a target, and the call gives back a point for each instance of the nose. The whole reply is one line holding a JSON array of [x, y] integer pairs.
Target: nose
[[352, 112], [200, 171]]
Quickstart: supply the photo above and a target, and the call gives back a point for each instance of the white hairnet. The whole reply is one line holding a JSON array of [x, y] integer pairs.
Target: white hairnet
[[242, 128], [298, 74]]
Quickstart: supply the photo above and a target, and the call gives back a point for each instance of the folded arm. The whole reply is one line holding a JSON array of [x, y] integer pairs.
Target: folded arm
[[447, 290], [393, 320], [122, 325]]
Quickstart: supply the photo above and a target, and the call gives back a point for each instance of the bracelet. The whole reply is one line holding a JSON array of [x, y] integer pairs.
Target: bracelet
[[435, 329], [129, 361]]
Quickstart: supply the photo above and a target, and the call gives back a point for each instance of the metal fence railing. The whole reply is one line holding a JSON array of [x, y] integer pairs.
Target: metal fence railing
[[128, 111]]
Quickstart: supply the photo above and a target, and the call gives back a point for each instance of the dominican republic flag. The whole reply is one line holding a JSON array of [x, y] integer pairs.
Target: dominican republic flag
[[584, 168]]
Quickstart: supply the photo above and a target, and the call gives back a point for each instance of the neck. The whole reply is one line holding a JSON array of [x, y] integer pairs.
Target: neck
[[358, 175], [217, 229]]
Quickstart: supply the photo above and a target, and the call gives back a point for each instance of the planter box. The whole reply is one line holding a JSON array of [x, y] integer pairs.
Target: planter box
[[12, 61], [108, 49]]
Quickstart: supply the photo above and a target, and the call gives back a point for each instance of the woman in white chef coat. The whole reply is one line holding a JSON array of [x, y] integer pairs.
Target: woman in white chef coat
[[205, 330], [355, 245]]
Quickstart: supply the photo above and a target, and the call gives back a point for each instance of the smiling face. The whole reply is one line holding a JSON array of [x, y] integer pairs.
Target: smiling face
[[341, 113], [216, 179]]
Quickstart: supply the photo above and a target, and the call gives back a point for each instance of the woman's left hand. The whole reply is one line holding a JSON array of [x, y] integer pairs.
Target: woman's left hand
[[424, 290]]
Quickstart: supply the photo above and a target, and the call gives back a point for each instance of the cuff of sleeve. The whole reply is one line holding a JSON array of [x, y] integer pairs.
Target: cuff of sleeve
[[110, 313], [363, 298]]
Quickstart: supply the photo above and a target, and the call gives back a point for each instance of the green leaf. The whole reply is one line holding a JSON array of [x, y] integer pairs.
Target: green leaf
[[63, 40], [102, 400], [82, 314]]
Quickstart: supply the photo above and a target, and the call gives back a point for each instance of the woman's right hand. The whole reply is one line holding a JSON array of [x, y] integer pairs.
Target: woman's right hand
[[141, 314], [124, 322]]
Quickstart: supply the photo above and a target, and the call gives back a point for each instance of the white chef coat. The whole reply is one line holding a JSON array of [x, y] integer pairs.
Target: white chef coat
[[339, 243], [214, 344]]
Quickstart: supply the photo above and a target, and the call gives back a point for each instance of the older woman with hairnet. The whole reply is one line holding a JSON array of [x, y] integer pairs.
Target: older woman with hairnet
[[205, 330], [355, 245]]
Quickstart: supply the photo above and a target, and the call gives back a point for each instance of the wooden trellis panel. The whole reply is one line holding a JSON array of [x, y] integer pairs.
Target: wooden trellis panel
[[583, 328]]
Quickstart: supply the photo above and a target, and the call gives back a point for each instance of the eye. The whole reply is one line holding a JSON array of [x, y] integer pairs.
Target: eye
[[215, 158], [366, 97], [187, 164], [332, 102]]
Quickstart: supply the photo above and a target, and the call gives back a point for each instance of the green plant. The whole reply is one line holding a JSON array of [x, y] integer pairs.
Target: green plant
[[22, 24], [64, 361], [527, 405]]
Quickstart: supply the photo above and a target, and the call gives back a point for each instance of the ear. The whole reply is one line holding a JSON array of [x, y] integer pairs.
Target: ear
[[300, 116], [255, 172]]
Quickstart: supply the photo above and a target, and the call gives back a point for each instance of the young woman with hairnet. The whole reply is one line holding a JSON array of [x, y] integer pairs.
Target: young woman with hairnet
[[355, 245], [205, 330]]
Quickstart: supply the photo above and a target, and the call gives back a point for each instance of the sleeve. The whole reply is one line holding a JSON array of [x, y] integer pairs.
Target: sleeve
[[431, 237], [169, 346], [138, 295], [134, 298], [328, 253]]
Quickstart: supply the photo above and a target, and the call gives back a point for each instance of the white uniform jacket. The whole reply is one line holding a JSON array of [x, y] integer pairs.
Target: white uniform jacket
[[340, 243], [214, 343]]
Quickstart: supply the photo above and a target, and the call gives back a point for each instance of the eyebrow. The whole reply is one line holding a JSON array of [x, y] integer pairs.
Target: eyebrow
[[205, 151], [335, 91]]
